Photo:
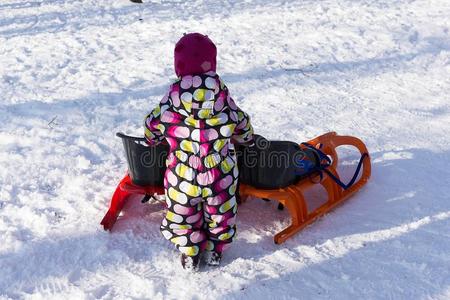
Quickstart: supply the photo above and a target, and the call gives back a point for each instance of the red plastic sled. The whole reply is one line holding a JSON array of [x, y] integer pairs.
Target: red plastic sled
[[125, 188]]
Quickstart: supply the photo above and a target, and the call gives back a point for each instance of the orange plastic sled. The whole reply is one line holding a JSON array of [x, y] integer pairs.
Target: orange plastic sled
[[292, 196]]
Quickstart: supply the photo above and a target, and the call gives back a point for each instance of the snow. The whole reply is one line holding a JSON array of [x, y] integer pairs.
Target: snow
[[72, 73]]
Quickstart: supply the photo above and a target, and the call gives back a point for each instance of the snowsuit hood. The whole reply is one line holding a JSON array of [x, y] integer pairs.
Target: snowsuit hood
[[194, 54]]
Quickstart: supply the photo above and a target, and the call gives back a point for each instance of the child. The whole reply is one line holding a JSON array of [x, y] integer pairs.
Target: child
[[199, 119]]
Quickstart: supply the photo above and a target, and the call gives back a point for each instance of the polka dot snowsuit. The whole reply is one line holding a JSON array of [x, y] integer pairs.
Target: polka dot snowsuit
[[198, 118]]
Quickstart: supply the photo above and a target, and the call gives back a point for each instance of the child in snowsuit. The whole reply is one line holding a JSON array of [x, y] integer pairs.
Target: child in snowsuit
[[199, 119]]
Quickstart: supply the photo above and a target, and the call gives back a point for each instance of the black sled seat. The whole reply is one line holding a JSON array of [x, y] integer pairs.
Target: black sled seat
[[274, 164], [146, 165], [266, 165]]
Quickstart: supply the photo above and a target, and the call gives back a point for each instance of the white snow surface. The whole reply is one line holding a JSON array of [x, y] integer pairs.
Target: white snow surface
[[73, 73]]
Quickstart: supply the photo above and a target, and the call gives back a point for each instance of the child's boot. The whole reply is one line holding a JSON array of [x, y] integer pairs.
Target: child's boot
[[190, 262], [214, 258]]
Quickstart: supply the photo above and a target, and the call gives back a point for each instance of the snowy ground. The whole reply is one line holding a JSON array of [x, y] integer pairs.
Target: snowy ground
[[72, 73]]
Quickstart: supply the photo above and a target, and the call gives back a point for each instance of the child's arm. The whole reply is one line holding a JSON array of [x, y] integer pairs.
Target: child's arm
[[243, 133], [153, 134]]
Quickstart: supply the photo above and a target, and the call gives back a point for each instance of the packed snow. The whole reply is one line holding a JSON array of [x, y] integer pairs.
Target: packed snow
[[73, 73]]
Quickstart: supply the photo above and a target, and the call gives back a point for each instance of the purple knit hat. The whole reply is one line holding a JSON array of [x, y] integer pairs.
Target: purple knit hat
[[194, 53]]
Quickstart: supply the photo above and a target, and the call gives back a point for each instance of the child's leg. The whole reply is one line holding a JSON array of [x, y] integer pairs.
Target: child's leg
[[219, 214], [183, 224]]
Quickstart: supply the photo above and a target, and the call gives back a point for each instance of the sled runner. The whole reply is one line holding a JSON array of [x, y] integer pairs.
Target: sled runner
[[276, 170]]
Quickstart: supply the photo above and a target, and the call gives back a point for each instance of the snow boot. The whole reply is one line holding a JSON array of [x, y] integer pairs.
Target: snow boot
[[214, 258], [190, 262]]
